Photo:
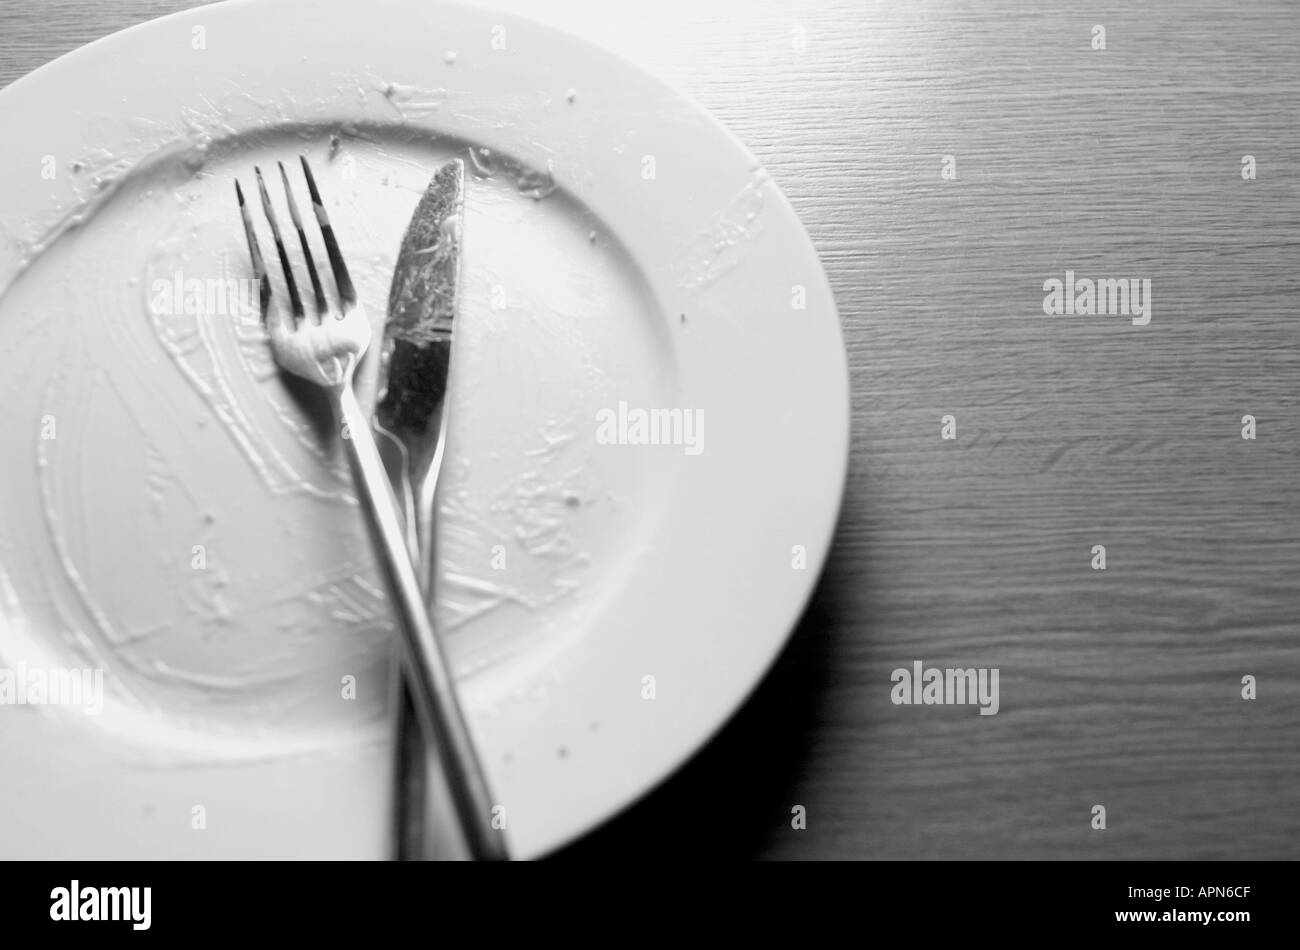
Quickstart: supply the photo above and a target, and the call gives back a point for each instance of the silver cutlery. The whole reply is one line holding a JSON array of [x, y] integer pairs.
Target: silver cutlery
[[411, 423], [324, 346]]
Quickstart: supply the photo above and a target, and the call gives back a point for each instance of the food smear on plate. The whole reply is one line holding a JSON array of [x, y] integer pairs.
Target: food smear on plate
[[177, 511]]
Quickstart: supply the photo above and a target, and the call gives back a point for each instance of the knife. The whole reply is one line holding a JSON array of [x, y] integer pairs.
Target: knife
[[410, 418]]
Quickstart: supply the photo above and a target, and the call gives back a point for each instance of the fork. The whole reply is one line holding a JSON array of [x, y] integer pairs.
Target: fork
[[325, 347]]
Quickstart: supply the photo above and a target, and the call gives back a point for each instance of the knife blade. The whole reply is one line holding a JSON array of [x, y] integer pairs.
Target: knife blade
[[410, 417], [417, 345]]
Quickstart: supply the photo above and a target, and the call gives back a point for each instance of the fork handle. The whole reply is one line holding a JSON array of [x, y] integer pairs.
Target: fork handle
[[433, 689]]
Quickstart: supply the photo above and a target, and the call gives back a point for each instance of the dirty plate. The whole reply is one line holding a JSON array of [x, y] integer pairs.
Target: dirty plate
[[648, 439]]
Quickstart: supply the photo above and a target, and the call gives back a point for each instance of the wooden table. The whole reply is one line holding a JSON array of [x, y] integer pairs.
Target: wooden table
[[1120, 687]]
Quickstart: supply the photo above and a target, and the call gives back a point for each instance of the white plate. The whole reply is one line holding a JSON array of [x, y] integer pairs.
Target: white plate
[[608, 605]]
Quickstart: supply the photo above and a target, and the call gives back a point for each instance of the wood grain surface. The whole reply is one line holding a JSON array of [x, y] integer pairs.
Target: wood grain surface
[[1119, 687]]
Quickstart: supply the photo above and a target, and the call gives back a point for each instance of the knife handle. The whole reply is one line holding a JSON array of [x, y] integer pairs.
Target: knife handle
[[429, 675]]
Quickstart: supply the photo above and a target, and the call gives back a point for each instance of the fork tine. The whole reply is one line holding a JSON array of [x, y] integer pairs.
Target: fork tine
[[306, 249], [255, 252], [294, 299], [346, 291]]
